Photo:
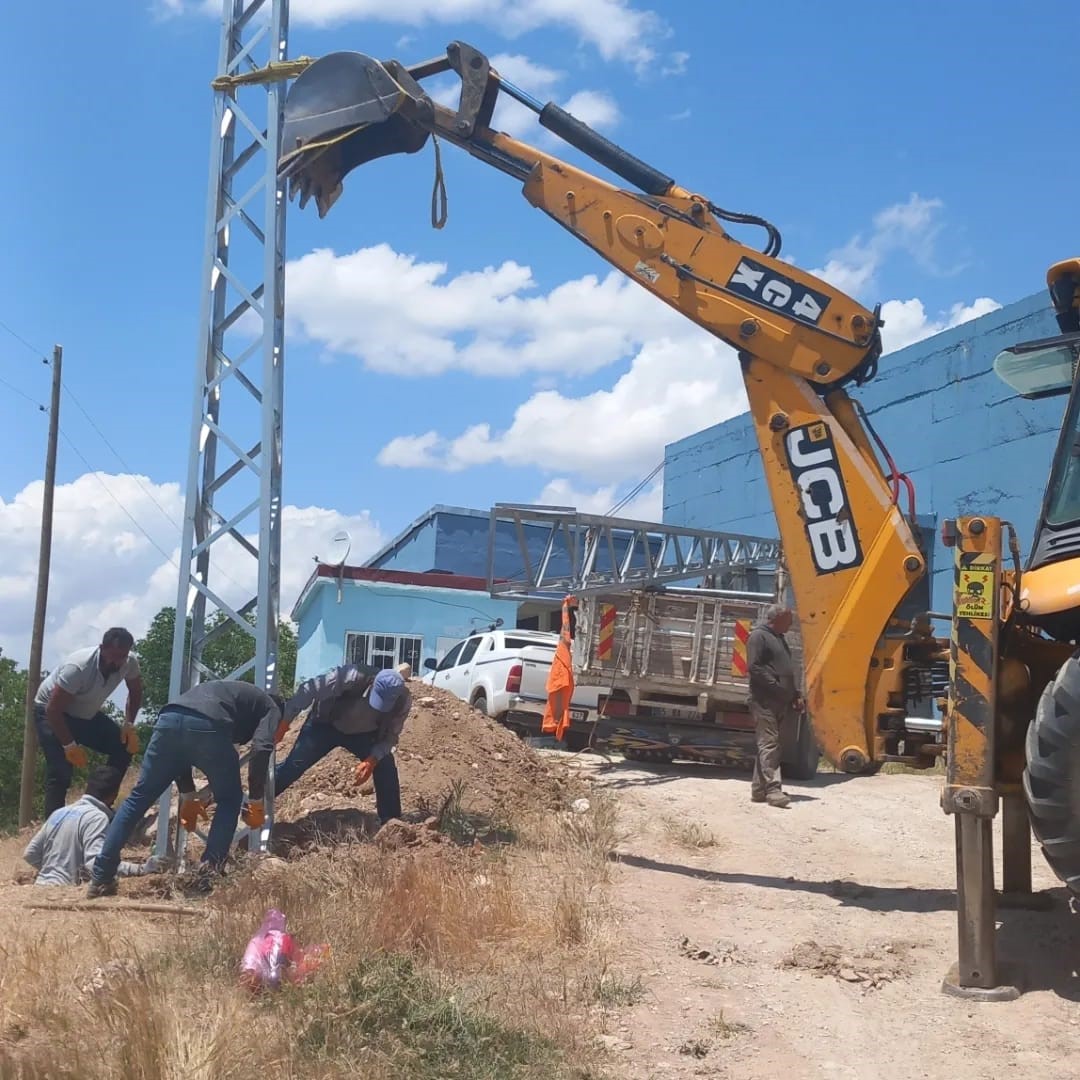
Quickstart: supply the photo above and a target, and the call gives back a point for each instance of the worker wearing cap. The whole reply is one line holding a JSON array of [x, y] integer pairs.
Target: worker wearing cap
[[361, 710]]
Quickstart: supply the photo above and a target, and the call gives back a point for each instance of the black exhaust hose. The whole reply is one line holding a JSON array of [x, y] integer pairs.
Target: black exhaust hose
[[609, 154]]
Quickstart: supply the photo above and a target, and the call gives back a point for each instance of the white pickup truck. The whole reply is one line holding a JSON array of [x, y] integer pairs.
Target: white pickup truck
[[527, 705], [485, 669]]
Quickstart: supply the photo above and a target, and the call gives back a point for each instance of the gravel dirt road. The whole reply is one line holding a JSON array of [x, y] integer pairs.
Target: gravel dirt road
[[811, 942]]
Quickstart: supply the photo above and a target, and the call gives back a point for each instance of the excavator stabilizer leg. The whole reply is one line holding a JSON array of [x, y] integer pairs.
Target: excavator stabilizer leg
[[347, 109], [976, 974], [970, 792]]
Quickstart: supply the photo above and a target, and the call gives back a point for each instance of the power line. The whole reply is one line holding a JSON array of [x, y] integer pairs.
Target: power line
[[15, 390], [39, 353], [82, 458], [635, 490], [145, 490]]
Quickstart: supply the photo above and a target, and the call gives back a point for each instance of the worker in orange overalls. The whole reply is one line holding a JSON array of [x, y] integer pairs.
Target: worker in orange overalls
[[560, 680]]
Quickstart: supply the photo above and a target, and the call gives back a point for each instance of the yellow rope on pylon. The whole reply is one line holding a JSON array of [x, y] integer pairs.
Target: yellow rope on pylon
[[276, 71]]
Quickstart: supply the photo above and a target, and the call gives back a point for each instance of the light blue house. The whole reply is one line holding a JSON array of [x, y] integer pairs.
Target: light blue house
[[966, 440], [355, 614], [424, 591], [417, 596]]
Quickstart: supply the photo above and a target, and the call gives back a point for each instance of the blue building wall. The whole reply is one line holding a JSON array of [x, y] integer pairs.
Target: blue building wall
[[383, 608], [965, 439], [414, 550]]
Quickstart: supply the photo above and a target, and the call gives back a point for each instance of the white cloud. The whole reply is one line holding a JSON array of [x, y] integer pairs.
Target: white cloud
[[680, 380], [106, 572], [677, 384], [912, 227], [615, 28], [676, 64], [647, 505], [906, 321], [594, 108], [400, 315], [527, 74]]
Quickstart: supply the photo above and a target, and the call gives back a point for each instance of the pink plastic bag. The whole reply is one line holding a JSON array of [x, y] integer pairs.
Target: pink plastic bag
[[272, 956]]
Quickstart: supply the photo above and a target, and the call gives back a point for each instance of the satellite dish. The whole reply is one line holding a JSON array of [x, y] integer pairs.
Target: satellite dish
[[337, 550]]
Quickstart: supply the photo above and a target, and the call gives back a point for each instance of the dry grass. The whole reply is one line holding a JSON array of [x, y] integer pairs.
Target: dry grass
[[689, 834], [472, 963]]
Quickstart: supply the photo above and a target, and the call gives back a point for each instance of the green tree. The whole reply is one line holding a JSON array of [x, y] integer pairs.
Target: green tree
[[12, 720], [231, 648]]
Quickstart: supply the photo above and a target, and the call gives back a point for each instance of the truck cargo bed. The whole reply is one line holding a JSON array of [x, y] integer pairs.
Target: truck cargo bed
[[680, 642]]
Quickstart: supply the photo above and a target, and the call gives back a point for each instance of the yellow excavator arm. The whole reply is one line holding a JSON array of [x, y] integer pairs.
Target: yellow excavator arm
[[851, 550]]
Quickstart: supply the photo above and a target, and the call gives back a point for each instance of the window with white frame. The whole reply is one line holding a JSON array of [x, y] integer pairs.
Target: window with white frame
[[383, 650]]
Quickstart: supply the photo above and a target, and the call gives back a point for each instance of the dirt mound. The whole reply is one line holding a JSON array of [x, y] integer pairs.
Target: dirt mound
[[444, 743], [871, 968]]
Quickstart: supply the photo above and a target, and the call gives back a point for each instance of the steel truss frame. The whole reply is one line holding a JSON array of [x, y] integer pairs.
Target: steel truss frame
[[587, 554], [235, 456]]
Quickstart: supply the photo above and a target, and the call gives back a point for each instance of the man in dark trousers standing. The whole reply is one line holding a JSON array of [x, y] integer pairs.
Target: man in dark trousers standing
[[68, 716], [360, 709], [200, 729], [773, 696]]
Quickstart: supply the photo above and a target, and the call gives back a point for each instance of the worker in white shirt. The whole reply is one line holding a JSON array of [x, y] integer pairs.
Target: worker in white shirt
[[64, 848], [68, 716]]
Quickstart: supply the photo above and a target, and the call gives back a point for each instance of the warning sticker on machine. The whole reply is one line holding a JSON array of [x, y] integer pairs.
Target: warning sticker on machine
[[975, 596]]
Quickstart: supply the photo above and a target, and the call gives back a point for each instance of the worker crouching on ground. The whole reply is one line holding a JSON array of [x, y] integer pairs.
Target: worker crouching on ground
[[68, 716], [774, 697], [64, 849], [361, 710], [200, 730]]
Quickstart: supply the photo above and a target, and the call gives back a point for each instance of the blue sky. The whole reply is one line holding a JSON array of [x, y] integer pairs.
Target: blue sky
[[916, 154]]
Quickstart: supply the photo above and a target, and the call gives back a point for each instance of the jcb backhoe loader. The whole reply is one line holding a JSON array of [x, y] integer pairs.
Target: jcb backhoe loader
[[849, 537]]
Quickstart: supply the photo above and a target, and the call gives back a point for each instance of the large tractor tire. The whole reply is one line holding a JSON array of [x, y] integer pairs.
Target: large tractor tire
[[1052, 774]]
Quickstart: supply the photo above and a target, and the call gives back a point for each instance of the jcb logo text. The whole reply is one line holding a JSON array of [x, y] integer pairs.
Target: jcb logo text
[[834, 541]]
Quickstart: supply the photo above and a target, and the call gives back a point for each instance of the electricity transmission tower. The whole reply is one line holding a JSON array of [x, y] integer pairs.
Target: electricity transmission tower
[[230, 555]]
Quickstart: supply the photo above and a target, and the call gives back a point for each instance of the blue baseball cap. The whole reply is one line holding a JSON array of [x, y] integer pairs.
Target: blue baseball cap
[[386, 691]]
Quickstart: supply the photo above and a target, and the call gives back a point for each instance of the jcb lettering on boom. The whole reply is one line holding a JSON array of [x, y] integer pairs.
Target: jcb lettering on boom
[[775, 290], [834, 543]]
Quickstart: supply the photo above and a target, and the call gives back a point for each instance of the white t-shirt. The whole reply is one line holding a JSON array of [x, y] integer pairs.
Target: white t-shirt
[[80, 675]]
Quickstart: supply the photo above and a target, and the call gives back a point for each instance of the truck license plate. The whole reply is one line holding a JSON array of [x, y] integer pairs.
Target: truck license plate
[[579, 714]]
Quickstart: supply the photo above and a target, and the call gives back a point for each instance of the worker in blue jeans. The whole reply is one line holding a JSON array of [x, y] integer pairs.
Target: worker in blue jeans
[[360, 709], [200, 729]]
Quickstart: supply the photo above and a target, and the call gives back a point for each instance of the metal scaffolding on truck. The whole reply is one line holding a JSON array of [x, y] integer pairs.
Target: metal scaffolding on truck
[[561, 551], [231, 543]]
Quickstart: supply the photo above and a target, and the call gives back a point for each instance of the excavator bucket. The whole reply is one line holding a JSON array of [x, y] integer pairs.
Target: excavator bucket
[[342, 111]]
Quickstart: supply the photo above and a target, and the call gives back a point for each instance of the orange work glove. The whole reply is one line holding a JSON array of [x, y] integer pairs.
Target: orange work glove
[[254, 813], [365, 769], [130, 738], [281, 732], [191, 809], [76, 755]]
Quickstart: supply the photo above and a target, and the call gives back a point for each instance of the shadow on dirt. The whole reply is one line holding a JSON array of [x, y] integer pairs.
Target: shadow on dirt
[[848, 893], [1037, 949], [1040, 950], [623, 774]]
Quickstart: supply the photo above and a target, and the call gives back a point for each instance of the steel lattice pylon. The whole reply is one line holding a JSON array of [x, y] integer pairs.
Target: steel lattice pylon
[[234, 467]]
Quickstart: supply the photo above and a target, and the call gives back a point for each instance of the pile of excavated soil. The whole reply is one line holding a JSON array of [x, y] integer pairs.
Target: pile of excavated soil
[[445, 742], [871, 967]]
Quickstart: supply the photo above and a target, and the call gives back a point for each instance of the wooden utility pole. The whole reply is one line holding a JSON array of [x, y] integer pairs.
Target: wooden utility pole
[[33, 675]]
